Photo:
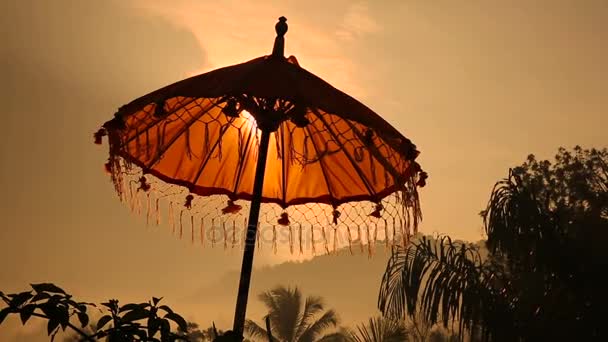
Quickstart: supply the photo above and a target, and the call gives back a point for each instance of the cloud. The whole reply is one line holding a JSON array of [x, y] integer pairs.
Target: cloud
[[232, 33], [357, 21]]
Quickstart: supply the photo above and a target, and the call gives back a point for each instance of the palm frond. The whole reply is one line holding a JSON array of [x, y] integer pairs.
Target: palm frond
[[328, 320], [254, 331], [312, 306], [380, 329], [444, 279]]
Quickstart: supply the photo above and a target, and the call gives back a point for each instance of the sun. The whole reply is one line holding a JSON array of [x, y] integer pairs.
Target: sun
[[249, 118]]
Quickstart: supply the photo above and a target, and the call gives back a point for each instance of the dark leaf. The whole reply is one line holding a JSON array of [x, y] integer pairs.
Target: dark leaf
[[26, 312], [142, 334], [181, 322], [21, 298], [3, 313], [156, 300], [103, 321], [40, 296], [47, 287], [52, 325], [165, 328], [166, 308], [135, 315], [128, 307], [153, 326], [83, 318], [64, 316]]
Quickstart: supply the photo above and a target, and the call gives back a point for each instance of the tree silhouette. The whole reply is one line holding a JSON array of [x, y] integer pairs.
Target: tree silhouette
[[380, 329], [547, 228], [293, 320]]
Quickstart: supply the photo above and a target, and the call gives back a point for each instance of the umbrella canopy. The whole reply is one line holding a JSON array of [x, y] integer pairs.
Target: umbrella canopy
[[269, 132], [326, 147]]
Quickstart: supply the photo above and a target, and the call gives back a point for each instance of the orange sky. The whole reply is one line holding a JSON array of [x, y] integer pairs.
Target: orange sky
[[476, 86]]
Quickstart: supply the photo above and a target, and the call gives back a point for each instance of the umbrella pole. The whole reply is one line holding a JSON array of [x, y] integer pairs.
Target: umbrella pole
[[252, 226]]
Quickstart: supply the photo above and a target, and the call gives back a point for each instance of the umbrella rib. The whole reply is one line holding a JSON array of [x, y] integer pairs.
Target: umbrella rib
[[370, 189], [177, 135], [154, 123], [374, 151], [284, 165], [209, 154], [242, 163], [322, 164]]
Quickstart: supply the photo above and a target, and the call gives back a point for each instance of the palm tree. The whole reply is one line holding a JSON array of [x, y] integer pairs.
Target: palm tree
[[547, 228], [380, 329], [291, 320]]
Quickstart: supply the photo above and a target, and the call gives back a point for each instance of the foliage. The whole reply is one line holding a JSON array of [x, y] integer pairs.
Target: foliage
[[380, 329], [126, 323], [547, 227], [291, 320]]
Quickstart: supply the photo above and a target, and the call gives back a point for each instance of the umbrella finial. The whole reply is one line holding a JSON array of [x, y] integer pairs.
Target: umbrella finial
[[279, 41]]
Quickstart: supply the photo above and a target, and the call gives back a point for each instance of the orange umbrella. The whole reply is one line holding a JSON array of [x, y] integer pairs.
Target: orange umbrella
[[272, 134]]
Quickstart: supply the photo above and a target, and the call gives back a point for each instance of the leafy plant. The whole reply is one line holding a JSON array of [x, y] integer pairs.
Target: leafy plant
[[149, 322]]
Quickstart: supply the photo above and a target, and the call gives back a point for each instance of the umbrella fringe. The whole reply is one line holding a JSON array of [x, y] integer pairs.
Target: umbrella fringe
[[192, 229], [300, 238], [171, 217], [257, 237], [369, 244], [325, 243], [360, 236], [386, 237], [225, 236], [335, 242], [312, 239], [181, 226], [213, 232], [157, 211], [147, 209], [202, 231], [350, 240], [233, 234], [274, 238], [290, 240]]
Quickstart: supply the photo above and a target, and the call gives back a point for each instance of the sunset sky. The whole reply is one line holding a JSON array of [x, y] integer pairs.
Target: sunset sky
[[476, 85]]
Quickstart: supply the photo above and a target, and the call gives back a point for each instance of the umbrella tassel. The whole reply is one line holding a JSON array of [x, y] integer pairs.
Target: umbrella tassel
[[335, 243], [300, 238], [233, 234], [350, 240], [325, 240], [202, 231], [157, 212], [369, 243], [137, 204], [181, 226], [147, 210], [131, 199], [274, 238], [394, 234], [290, 240], [386, 239], [403, 235], [171, 217], [212, 232], [192, 229], [312, 239], [360, 235], [225, 237]]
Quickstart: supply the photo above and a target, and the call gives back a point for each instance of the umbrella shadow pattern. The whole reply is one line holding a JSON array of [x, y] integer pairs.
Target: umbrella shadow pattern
[[268, 138]]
